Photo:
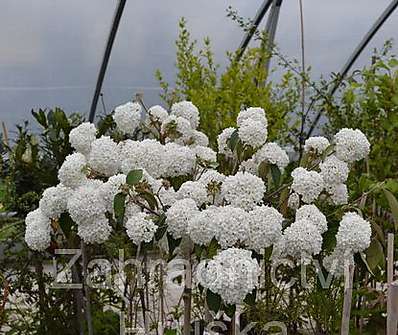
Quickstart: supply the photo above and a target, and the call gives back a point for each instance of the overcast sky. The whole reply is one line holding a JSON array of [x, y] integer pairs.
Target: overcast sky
[[50, 50]]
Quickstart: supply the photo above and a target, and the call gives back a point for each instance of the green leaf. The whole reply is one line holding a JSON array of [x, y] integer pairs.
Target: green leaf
[[233, 140], [263, 169], [212, 248], [119, 206], [365, 261], [375, 254], [393, 203], [170, 332], [213, 301], [134, 177], [7, 231], [276, 174], [230, 310], [160, 232], [250, 298], [173, 243], [150, 199]]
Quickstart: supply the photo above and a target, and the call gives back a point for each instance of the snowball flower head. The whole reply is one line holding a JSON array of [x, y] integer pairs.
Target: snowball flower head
[[308, 184], [200, 138], [205, 154], [222, 141], [156, 115], [96, 230], [272, 153], [179, 160], [265, 228], [54, 201], [338, 194], [243, 190], [293, 201], [253, 133], [140, 228], [338, 261], [202, 227], [351, 145], [313, 214], [354, 233], [334, 170], [86, 203], [127, 117], [232, 226], [252, 113], [72, 173], [316, 145], [177, 129], [82, 136], [38, 231], [103, 156], [193, 190], [302, 240], [188, 111], [178, 215], [232, 274]]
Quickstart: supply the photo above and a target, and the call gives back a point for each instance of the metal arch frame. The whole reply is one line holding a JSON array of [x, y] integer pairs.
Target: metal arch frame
[[354, 56], [105, 59]]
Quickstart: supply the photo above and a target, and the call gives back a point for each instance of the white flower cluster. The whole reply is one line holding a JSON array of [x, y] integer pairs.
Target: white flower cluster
[[82, 136], [222, 141], [252, 127], [351, 145], [128, 117], [352, 236], [272, 153], [308, 184], [232, 274], [38, 230], [316, 145], [140, 229], [243, 190]]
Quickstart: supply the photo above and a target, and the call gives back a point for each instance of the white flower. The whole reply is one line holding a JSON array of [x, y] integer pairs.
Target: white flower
[[252, 113], [200, 138], [333, 170], [354, 233], [140, 228], [232, 226], [294, 201], [253, 133], [205, 154], [109, 189], [309, 184], [202, 227], [86, 203], [211, 177], [265, 228], [130, 210], [178, 215], [232, 274], [38, 230], [188, 111], [156, 115], [148, 155], [72, 172], [272, 153], [222, 141], [243, 190], [302, 240], [177, 129], [95, 230], [313, 214], [193, 190], [127, 117], [167, 196], [179, 160], [104, 156], [54, 201], [316, 144], [82, 136], [351, 145], [338, 194]]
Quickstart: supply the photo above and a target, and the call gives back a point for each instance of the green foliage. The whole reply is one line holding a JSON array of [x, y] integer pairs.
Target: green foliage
[[220, 95], [369, 101]]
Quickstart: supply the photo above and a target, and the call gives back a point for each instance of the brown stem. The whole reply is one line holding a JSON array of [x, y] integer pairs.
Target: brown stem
[[187, 296]]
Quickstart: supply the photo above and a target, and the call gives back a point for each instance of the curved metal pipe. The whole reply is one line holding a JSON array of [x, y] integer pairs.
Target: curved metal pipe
[[105, 59]]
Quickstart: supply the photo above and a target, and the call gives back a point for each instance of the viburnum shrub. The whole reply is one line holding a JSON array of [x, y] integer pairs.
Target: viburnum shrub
[[159, 181]]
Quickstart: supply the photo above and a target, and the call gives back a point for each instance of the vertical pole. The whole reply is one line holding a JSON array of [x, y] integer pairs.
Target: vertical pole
[[348, 283], [105, 59], [392, 292], [271, 26]]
